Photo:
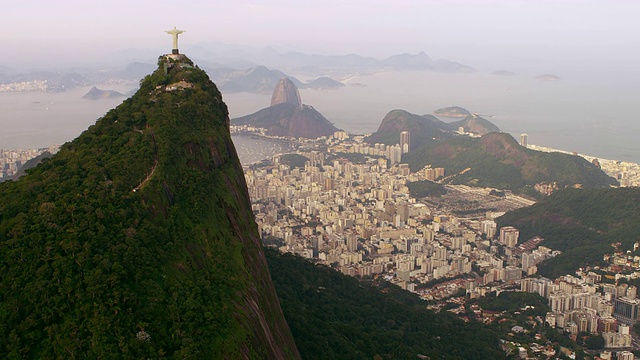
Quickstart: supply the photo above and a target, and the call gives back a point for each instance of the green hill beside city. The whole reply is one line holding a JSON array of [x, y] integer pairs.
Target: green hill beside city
[[334, 316], [426, 129], [497, 160], [423, 129], [582, 223]]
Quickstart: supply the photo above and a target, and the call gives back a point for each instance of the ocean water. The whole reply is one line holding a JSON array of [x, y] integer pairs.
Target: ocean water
[[251, 149], [38, 119], [35, 119], [593, 114]]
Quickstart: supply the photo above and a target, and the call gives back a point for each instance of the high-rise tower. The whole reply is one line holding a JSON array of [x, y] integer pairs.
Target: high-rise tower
[[523, 139], [405, 141]]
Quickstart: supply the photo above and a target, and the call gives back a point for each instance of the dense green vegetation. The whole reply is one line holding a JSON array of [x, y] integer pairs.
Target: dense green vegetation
[[333, 316], [422, 188], [497, 160], [354, 158], [515, 301], [96, 262], [593, 342], [493, 160], [583, 223], [527, 310], [294, 160]]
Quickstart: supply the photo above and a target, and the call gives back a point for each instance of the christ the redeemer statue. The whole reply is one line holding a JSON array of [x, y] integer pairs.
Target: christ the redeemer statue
[[174, 33]]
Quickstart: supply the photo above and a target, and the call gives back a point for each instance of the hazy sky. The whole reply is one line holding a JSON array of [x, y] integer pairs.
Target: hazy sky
[[475, 32]]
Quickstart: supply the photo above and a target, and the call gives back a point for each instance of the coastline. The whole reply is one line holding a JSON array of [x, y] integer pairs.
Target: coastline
[[626, 172]]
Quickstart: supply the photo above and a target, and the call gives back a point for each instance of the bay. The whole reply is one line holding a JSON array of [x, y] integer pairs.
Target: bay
[[251, 149], [592, 114]]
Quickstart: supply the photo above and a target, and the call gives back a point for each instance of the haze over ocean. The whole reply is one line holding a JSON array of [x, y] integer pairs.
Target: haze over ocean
[[592, 115]]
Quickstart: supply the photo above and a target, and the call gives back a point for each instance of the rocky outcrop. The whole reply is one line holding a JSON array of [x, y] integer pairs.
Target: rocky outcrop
[[285, 92], [290, 120], [97, 94], [287, 116]]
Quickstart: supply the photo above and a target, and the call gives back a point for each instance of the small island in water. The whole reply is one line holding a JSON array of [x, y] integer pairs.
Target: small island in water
[[452, 111], [97, 94]]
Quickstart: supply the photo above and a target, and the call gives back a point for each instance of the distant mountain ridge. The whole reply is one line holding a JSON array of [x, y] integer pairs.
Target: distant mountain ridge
[[419, 61], [55, 81], [261, 80], [238, 69]]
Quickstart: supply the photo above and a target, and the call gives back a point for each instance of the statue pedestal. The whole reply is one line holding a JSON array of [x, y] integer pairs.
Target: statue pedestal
[[174, 56]]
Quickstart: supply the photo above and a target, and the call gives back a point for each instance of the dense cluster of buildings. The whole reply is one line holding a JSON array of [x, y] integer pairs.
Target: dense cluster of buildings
[[361, 218], [358, 215], [584, 304], [627, 173], [587, 304], [12, 160], [25, 86]]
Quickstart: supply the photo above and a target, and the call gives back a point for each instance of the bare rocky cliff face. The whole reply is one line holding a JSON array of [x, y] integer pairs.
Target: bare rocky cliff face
[[286, 92]]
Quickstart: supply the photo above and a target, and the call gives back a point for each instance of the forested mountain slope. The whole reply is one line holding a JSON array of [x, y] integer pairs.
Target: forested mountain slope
[[136, 241]]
